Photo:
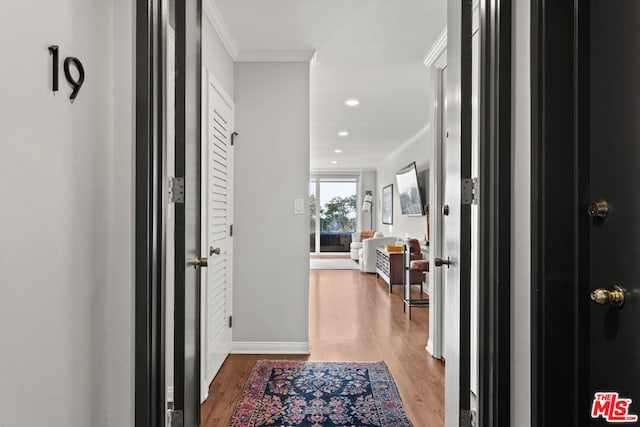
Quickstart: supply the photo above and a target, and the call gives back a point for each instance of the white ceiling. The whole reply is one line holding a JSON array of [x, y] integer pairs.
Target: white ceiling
[[371, 50]]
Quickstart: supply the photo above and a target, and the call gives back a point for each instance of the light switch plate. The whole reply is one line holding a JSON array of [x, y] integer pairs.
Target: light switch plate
[[298, 206]]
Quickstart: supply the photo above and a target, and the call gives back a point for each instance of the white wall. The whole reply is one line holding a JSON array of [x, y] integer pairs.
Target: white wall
[[66, 222], [215, 57], [120, 289], [521, 218], [418, 150], [271, 244]]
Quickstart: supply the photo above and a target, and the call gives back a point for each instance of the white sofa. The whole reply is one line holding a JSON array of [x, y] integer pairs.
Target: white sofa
[[368, 252]]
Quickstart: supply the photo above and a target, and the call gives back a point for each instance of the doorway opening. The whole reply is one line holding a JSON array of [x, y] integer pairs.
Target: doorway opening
[[181, 273]]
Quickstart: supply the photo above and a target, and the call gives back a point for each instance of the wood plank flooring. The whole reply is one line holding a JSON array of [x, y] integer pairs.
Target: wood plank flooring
[[352, 318]]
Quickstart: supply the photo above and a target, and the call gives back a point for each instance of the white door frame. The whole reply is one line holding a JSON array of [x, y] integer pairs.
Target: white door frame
[[436, 60]]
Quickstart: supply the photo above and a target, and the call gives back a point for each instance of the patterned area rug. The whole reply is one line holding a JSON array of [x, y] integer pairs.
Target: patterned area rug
[[320, 394], [333, 264]]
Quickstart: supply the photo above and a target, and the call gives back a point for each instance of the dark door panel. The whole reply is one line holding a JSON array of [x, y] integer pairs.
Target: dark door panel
[[614, 240]]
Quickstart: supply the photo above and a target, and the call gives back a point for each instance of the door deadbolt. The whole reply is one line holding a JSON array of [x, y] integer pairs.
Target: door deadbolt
[[599, 209], [200, 262], [614, 297], [214, 251], [445, 210]]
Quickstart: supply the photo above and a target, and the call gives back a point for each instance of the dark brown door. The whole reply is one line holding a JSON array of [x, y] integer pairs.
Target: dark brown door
[[614, 240]]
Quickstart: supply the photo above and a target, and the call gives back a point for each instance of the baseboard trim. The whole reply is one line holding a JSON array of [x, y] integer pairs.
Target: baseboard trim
[[269, 347], [429, 347]]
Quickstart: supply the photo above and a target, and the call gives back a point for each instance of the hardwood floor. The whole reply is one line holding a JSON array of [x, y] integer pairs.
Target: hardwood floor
[[352, 318]]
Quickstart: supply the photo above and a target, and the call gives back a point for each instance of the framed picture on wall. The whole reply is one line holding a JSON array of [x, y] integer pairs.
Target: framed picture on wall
[[387, 204]]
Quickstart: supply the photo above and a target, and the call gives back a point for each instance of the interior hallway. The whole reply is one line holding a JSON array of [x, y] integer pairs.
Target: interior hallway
[[352, 318]]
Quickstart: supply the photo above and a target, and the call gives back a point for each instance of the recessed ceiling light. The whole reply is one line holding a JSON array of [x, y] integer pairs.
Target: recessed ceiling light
[[343, 133], [337, 151], [334, 162], [352, 102]]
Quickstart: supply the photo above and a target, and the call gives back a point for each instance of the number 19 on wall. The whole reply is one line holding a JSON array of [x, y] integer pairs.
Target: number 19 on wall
[[75, 83]]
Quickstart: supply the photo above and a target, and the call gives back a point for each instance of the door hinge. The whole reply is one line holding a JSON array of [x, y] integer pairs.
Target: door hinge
[[231, 321], [469, 191], [233, 138], [176, 418], [465, 418], [176, 189], [231, 230]]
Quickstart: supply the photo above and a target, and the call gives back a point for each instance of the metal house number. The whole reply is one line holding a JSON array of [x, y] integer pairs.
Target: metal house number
[[76, 84]]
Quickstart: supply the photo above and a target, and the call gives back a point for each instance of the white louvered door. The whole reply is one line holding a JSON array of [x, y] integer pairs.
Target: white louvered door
[[219, 213]]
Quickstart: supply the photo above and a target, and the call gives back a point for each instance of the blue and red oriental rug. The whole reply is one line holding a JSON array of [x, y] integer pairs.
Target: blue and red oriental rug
[[320, 394]]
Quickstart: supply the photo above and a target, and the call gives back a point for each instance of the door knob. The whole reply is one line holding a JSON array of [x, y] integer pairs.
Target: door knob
[[445, 210], [199, 262], [214, 251], [599, 209], [615, 297], [440, 262]]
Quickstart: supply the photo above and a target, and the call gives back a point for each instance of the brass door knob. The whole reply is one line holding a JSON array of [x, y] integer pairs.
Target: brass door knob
[[214, 251], [599, 209], [200, 262], [614, 297]]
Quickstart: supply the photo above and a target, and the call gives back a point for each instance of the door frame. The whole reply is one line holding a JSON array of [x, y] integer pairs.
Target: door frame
[[494, 287], [560, 230], [494, 310], [149, 302], [437, 62], [151, 197]]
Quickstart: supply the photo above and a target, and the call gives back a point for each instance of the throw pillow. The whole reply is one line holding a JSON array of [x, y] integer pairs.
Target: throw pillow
[[367, 234]]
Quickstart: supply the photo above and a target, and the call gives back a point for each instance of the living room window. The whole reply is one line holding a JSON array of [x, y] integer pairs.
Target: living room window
[[332, 209]]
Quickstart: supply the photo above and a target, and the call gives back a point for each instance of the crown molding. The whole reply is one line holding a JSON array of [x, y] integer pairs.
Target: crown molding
[[419, 134], [437, 49], [433, 57], [220, 25], [302, 55]]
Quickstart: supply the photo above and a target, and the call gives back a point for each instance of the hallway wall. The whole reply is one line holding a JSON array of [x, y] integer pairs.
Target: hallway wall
[[415, 150], [271, 244], [66, 223]]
